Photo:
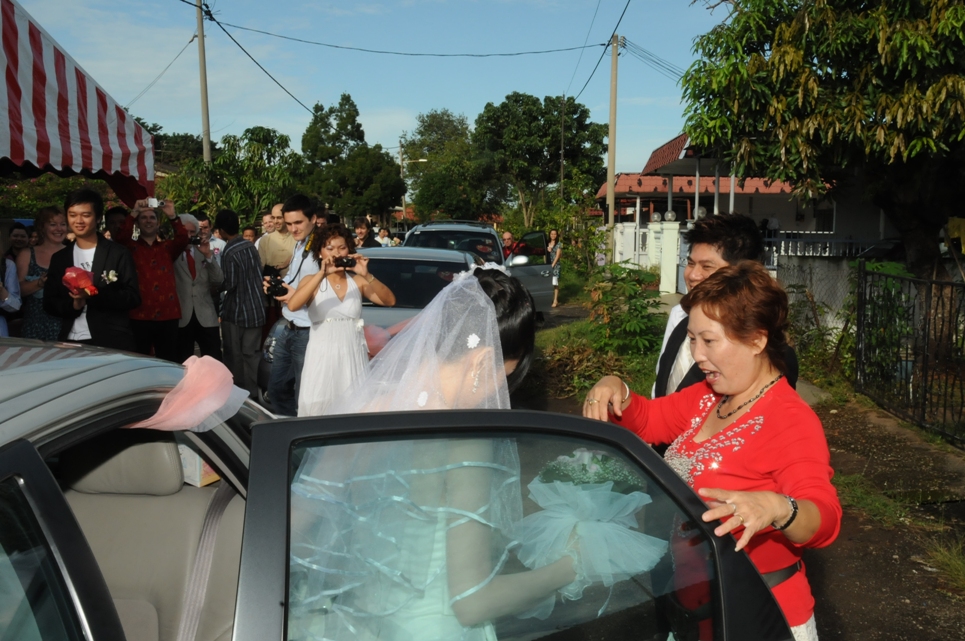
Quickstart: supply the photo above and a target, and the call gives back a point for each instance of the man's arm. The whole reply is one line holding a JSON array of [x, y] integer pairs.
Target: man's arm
[[263, 248], [176, 246], [57, 300]]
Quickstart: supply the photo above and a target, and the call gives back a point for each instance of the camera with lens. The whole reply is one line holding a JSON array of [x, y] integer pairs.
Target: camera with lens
[[276, 287], [344, 261], [194, 240]]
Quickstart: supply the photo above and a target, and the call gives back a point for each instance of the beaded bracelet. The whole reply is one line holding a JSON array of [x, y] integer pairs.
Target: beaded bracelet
[[781, 528]]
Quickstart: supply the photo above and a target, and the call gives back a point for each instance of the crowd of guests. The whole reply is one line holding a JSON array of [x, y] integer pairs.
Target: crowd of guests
[[170, 285]]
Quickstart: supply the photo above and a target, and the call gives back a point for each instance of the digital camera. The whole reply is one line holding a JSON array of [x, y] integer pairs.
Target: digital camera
[[194, 240], [344, 261], [276, 287]]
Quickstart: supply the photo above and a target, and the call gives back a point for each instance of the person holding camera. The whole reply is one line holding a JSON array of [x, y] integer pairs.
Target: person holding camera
[[292, 341], [155, 322], [196, 274], [337, 355]]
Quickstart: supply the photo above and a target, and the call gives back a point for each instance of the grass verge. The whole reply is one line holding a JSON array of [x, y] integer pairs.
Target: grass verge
[[948, 557], [857, 492], [567, 365]]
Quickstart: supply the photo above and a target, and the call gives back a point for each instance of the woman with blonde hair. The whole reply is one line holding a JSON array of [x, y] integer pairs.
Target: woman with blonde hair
[[32, 265]]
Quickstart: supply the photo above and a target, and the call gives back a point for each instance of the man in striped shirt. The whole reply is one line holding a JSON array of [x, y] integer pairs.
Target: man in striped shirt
[[243, 314]]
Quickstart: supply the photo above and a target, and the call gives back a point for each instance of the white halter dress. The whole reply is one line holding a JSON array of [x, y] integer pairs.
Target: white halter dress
[[336, 356]]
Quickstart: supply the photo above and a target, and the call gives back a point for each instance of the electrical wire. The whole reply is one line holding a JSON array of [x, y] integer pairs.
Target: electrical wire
[[414, 54], [406, 53], [210, 16], [609, 41], [585, 40], [662, 66], [154, 82]]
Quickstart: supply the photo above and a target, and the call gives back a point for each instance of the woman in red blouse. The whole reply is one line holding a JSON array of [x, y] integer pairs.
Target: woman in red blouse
[[744, 440]]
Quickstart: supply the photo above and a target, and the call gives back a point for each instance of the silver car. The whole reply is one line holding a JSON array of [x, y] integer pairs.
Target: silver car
[[102, 538]]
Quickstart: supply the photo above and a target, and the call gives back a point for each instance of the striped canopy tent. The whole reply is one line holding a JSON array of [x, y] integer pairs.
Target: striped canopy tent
[[55, 118]]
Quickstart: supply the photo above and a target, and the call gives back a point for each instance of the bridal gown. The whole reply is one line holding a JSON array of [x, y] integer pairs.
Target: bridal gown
[[336, 355]]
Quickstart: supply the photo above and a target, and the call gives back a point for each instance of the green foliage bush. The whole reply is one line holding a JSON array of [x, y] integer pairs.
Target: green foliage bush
[[623, 305]]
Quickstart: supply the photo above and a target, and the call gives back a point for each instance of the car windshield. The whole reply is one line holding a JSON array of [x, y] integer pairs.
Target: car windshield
[[414, 282], [480, 243]]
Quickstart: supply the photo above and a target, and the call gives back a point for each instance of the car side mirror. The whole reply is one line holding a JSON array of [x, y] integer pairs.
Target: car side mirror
[[519, 261]]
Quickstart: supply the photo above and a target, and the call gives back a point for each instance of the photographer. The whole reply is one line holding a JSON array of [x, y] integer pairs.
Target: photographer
[[196, 273], [289, 351], [336, 355], [155, 322]]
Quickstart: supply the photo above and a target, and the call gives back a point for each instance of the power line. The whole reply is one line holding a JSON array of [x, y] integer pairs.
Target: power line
[[153, 82], [210, 16], [651, 59], [585, 40], [414, 54], [404, 53], [610, 40]]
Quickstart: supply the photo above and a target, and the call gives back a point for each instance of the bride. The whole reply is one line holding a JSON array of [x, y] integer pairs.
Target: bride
[[406, 540]]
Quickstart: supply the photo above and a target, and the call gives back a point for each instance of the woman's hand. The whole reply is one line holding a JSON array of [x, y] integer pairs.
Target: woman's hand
[[605, 397], [328, 267], [361, 264], [753, 511]]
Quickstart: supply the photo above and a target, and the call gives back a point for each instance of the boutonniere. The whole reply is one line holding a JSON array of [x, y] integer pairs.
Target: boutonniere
[[109, 277]]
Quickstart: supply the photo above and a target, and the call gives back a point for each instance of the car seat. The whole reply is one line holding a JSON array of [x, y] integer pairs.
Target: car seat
[[144, 524]]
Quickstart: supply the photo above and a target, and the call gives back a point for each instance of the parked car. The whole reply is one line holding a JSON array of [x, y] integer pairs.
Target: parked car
[[528, 263], [102, 540], [415, 276]]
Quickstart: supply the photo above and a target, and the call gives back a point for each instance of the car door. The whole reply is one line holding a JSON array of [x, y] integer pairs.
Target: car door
[[439, 525], [50, 585], [528, 264]]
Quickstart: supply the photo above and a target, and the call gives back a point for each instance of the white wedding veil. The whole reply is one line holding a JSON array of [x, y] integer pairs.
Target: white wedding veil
[[375, 524], [448, 357]]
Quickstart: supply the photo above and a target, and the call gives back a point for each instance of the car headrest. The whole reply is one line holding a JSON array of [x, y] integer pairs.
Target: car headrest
[[124, 462]]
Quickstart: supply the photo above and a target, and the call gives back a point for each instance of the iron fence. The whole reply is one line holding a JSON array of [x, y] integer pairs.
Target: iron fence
[[911, 349]]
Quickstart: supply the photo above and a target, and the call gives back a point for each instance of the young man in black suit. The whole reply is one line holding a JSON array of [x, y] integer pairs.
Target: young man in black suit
[[101, 319], [715, 242]]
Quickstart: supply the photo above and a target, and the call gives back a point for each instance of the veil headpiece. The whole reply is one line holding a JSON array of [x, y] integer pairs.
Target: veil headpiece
[[447, 357]]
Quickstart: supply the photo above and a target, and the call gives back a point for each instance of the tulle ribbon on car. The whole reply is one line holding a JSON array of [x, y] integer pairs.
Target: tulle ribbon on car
[[205, 398]]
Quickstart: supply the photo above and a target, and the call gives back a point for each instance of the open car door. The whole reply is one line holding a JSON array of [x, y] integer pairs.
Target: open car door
[[51, 588], [528, 264], [440, 525]]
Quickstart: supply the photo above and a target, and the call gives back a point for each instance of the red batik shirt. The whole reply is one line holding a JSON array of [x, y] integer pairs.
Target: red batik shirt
[[155, 271], [777, 446]]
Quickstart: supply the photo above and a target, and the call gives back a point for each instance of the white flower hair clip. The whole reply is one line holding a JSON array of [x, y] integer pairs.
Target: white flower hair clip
[[472, 342], [468, 272]]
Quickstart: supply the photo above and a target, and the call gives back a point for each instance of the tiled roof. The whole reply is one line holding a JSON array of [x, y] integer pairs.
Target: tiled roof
[[667, 153], [641, 185]]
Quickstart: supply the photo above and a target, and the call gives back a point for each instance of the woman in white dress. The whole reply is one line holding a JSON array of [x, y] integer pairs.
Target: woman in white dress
[[336, 356]]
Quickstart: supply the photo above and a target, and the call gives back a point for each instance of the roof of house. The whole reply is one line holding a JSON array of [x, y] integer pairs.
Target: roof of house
[[642, 185], [667, 153]]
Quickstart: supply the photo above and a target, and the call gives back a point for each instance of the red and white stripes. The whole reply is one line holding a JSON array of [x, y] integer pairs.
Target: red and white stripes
[[53, 114]]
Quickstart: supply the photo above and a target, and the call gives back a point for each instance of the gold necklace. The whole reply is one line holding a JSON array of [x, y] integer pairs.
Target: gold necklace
[[745, 403]]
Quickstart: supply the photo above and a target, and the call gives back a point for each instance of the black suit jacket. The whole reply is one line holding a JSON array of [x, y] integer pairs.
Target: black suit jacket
[[694, 375], [107, 312]]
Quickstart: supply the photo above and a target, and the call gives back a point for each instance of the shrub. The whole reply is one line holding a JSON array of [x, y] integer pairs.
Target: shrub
[[623, 306]]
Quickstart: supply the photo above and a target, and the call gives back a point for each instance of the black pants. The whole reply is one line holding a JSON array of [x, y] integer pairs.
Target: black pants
[[207, 338], [161, 337]]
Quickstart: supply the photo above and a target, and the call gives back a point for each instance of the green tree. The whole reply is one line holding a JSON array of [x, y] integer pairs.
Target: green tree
[[177, 148], [816, 93], [453, 183], [519, 139], [343, 171], [22, 194], [250, 174]]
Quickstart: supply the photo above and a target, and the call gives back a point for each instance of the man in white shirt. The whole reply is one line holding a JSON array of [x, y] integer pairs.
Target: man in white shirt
[[267, 226], [217, 245], [100, 318], [289, 350]]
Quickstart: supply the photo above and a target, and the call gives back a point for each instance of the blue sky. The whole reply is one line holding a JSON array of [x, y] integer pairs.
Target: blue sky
[[124, 44]]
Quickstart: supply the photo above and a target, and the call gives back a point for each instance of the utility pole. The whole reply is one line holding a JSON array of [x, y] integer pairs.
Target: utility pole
[[205, 126], [612, 136]]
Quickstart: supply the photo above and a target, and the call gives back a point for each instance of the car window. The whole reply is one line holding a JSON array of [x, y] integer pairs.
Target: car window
[[482, 537], [480, 243], [34, 603], [414, 282], [533, 244]]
